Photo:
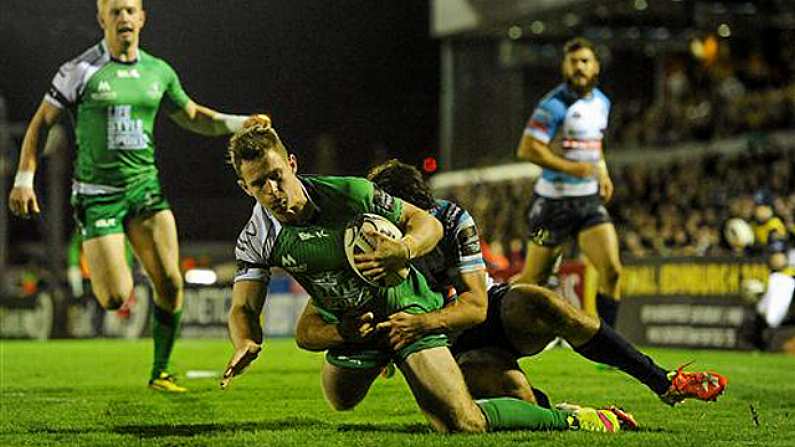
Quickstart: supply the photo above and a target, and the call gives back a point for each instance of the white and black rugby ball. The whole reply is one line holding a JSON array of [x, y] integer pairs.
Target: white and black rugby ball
[[358, 242], [738, 233]]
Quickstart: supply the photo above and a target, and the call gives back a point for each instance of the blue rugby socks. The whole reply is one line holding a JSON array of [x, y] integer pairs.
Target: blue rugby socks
[[610, 348], [607, 308]]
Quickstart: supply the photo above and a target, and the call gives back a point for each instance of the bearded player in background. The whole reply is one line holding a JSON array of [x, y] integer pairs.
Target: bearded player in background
[[574, 185]]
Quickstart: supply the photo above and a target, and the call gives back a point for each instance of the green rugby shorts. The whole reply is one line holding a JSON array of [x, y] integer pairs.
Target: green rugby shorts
[[378, 358], [103, 214]]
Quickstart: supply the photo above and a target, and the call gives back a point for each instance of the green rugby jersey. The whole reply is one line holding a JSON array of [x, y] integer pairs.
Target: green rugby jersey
[[114, 105], [314, 254]]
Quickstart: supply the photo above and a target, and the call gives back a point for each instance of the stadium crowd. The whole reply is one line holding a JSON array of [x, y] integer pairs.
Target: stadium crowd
[[660, 212], [657, 209], [727, 92]]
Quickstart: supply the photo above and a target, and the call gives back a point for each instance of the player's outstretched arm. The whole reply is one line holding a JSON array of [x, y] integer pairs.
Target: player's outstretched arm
[[532, 150], [468, 310], [245, 330], [206, 121], [22, 199]]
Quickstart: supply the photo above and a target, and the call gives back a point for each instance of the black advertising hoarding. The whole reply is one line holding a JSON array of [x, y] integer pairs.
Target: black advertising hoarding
[[687, 302], [49, 312]]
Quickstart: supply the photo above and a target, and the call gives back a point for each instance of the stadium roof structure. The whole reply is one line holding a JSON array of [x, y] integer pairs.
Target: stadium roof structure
[[608, 21]]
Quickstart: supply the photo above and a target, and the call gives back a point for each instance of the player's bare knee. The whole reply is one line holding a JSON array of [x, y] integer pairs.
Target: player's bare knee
[[542, 304], [341, 404], [341, 400], [171, 288], [517, 387], [112, 304], [468, 421], [531, 292], [112, 299], [612, 273]]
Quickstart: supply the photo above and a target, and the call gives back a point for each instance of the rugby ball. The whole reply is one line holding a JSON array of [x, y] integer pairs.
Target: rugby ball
[[357, 242], [738, 232]]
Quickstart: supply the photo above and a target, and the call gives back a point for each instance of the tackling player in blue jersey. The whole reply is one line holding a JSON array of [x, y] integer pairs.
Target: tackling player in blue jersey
[[493, 325], [574, 181], [298, 225]]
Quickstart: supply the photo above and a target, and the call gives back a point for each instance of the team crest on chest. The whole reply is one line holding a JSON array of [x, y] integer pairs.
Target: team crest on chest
[[154, 90], [104, 92]]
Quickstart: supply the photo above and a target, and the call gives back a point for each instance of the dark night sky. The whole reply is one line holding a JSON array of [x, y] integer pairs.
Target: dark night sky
[[365, 72]]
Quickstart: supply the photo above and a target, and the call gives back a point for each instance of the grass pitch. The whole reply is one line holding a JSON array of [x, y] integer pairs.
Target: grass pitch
[[92, 392]]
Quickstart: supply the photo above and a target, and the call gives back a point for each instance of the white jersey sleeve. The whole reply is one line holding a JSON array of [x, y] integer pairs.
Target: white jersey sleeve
[[255, 245], [72, 77]]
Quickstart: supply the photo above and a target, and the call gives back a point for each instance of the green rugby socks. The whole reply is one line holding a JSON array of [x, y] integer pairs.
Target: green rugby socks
[[507, 413], [165, 329]]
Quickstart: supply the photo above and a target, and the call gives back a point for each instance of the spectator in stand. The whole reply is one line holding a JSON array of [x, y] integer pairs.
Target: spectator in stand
[[784, 207], [766, 224], [666, 210]]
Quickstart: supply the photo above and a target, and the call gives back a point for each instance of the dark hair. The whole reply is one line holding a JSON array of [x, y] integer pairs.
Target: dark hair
[[578, 43], [403, 181], [251, 143], [763, 197]]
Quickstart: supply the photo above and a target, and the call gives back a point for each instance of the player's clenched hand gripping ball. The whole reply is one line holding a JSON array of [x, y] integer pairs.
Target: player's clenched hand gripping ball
[[375, 252]]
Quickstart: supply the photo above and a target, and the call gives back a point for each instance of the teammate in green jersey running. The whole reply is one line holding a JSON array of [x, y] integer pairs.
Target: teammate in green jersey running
[[114, 90], [297, 224]]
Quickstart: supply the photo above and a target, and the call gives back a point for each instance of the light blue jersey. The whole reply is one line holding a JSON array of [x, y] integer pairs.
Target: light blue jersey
[[581, 124], [457, 253]]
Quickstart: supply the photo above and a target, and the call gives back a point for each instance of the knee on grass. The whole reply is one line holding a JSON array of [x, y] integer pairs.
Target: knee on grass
[[342, 404], [472, 421]]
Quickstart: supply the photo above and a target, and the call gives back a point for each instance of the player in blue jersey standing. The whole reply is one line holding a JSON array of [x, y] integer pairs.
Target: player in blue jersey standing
[[564, 136]]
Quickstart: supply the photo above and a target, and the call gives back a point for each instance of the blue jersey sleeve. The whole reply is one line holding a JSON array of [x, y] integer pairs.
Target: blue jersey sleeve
[[467, 245], [546, 119]]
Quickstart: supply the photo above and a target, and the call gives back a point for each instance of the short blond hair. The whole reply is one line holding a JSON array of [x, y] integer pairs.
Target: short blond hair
[[252, 143], [101, 4]]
